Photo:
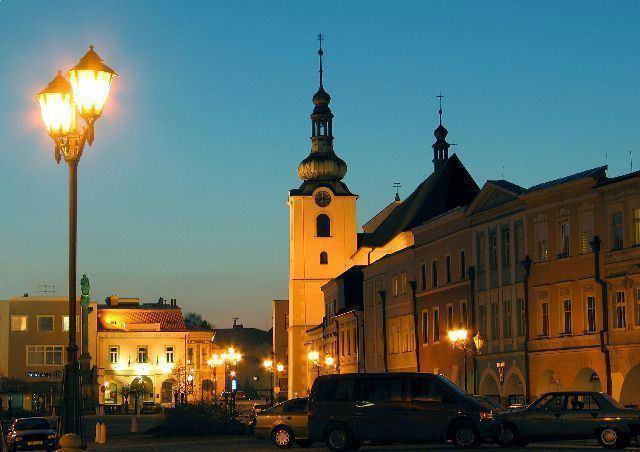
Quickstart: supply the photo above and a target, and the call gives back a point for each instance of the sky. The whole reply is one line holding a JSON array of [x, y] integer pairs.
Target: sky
[[183, 193]]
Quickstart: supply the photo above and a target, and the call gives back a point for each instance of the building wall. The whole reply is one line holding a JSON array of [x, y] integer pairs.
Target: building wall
[[307, 274], [280, 322]]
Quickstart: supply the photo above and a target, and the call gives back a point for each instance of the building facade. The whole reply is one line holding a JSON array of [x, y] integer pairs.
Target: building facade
[[34, 333]]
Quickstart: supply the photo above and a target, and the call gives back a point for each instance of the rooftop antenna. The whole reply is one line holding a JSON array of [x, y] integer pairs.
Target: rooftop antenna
[[235, 320], [46, 289], [397, 186], [502, 172], [631, 159], [440, 96]]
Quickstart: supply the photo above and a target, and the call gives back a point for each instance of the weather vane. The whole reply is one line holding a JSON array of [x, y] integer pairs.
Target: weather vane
[[440, 96], [320, 53]]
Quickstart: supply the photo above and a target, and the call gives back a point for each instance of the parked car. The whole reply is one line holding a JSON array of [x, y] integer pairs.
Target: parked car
[[491, 402], [347, 409], [570, 414], [285, 423], [31, 433]]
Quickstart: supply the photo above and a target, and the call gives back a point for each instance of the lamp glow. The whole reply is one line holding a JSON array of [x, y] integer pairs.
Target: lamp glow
[[329, 360], [313, 356], [280, 367], [91, 82], [457, 335], [267, 363], [56, 107]]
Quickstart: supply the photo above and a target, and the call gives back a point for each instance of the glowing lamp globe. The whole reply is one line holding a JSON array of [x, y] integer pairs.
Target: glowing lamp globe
[[313, 356], [91, 81], [458, 335], [267, 363], [280, 367], [56, 106], [329, 361]]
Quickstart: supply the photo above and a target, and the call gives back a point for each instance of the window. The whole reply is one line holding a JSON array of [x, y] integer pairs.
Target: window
[[544, 319], [190, 356], [522, 316], [407, 334], [493, 250], [423, 276], [586, 231], [44, 355], [582, 402], [143, 355], [617, 233], [566, 306], [403, 283], [481, 252], [482, 320], [19, 323], [65, 323], [636, 225], [506, 246], [620, 320], [591, 314], [168, 353], [637, 310], [495, 321], [448, 268], [464, 314], [463, 266], [436, 325], [449, 317], [564, 239], [323, 226], [425, 327], [395, 285], [518, 232], [393, 335], [45, 323], [426, 390], [507, 318], [542, 245], [114, 354], [434, 273], [324, 258]]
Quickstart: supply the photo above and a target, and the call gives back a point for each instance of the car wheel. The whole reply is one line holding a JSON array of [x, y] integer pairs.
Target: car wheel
[[282, 437], [507, 436], [339, 438], [612, 438], [465, 436], [304, 442]]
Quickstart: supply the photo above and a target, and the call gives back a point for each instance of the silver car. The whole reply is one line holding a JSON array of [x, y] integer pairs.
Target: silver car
[[284, 423]]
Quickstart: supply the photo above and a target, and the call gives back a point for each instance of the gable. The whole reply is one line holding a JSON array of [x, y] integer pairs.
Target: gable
[[496, 198]]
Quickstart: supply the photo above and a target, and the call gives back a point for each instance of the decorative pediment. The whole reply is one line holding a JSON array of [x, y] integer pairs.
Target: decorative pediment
[[491, 196]]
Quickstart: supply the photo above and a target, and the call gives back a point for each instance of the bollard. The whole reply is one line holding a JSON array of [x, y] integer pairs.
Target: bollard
[[70, 443], [98, 438], [103, 433], [134, 424]]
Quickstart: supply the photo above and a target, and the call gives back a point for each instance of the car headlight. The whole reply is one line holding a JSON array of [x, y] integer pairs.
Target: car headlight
[[52, 436], [486, 415]]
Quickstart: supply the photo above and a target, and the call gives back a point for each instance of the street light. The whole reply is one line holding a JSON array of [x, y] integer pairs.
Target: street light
[[60, 101], [278, 368], [314, 357], [458, 339]]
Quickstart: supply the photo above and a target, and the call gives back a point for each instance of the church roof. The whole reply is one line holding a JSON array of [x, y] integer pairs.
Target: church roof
[[117, 318], [599, 174], [447, 187]]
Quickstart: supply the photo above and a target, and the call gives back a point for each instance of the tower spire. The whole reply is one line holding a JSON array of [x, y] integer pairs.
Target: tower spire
[[440, 147], [320, 53]]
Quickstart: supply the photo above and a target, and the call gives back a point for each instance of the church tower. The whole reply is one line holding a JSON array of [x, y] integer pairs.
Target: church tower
[[322, 234]]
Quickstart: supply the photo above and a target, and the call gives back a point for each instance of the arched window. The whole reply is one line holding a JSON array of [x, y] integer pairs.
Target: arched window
[[324, 258], [323, 226]]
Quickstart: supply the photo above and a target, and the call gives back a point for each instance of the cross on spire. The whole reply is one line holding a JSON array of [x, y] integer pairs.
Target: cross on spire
[[440, 96], [320, 53], [397, 186]]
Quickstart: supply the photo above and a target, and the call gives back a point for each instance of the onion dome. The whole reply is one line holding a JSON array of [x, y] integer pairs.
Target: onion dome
[[322, 165]]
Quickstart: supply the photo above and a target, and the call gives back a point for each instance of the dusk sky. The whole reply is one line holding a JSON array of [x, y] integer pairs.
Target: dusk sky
[[183, 194]]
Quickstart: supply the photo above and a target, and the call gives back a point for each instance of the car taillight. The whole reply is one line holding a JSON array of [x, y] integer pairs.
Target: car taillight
[[486, 415]]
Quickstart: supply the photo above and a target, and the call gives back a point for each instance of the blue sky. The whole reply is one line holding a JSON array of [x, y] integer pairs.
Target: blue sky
[[183, 193]]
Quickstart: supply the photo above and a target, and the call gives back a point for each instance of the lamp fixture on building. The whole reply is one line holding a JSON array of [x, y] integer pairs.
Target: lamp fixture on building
[[459, 340]]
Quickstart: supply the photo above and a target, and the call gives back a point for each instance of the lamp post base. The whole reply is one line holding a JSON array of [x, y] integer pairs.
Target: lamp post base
[[71, 403]]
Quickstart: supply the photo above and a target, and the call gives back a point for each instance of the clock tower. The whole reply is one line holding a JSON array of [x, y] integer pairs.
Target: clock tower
[[322, 234]]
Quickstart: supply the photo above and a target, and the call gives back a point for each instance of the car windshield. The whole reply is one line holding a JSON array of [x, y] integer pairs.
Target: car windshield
[[455, 388], [612, 401], [32, 424], [491, 403]]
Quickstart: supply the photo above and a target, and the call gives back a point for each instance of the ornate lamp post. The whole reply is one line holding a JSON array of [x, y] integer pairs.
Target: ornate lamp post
[[275, 375], [231, 358], [458, 339], [85, 95], [314, 358]]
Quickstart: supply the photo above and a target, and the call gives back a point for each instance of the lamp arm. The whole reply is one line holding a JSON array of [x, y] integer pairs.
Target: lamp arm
[[71, 146]]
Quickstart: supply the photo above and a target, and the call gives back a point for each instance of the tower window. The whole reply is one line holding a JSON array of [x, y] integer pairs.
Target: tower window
[[324, 258], [323, 226]]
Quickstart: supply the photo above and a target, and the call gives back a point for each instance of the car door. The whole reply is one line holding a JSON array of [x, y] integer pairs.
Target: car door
[[381, 411], [431, 409], [544, 418], [295, 415], [581, 416]]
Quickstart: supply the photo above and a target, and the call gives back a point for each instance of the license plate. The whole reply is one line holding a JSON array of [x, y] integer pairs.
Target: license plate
[[34, 443]]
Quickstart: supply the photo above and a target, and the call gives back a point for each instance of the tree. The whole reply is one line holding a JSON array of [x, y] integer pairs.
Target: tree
[[196, 319]]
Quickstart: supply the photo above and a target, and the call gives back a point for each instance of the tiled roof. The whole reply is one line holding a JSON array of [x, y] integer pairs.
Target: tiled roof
[[115, 319], [599, 174], [448, 187], [509, 186]]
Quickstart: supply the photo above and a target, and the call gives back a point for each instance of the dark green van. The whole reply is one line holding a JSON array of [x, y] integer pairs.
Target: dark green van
[[346, 409]]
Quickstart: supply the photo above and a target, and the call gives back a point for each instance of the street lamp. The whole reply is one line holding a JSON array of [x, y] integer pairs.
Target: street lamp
[[60, 102], [314, 357], [458, 339], [278, 368]]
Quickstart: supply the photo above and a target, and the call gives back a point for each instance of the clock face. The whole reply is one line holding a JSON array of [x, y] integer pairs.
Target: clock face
[[323, 199]]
